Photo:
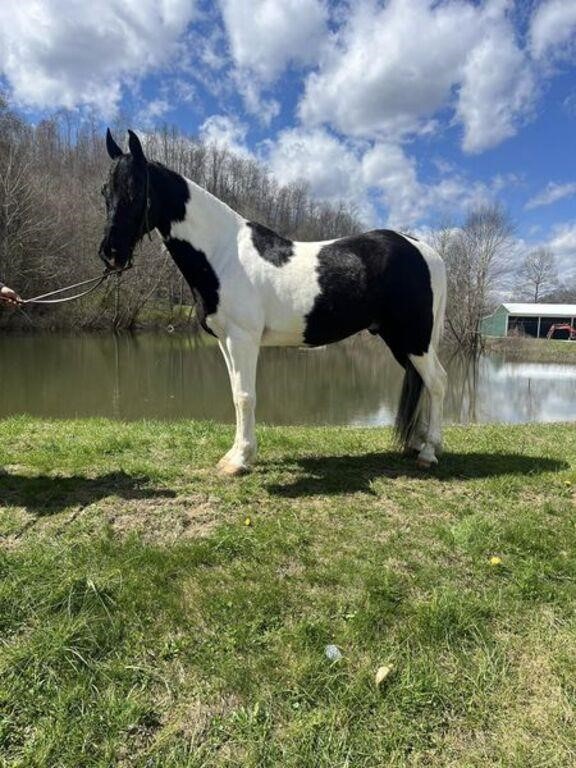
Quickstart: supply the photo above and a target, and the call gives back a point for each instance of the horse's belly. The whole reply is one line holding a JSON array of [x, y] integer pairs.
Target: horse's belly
[[275, 337]]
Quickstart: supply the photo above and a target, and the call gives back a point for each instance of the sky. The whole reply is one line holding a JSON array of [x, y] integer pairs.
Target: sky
[[411, 110]]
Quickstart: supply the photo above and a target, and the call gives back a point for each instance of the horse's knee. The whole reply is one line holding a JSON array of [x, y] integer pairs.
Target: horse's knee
[[245, 400]]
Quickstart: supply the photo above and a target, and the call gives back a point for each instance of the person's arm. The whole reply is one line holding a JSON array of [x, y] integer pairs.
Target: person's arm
[[7, 294]]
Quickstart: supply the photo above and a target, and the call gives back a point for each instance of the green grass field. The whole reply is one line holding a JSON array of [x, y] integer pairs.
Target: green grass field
[[153, 614]]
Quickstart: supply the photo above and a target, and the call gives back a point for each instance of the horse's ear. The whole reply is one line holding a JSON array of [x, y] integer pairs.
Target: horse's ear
[[135, 147], [113, 149]]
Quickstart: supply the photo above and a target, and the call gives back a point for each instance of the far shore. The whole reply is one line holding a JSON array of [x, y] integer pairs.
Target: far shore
[[532, 350]]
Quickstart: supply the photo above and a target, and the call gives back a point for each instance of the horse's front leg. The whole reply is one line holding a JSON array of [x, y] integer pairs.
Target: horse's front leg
[[241, 355]]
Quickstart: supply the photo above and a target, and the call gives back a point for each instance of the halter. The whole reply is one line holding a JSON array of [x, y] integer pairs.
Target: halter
[[145, 224]]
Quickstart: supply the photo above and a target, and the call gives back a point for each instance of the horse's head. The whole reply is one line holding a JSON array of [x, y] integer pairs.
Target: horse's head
[[127, 200]]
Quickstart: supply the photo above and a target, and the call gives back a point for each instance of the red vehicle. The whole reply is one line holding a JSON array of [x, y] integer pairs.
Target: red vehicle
[[564, 328]]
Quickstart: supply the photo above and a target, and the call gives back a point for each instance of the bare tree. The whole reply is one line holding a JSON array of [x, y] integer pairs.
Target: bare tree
[[537, 274], [478, 266], [564, 293]]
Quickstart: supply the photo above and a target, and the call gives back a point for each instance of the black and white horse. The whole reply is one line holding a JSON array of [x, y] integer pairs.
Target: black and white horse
[[255, 288]]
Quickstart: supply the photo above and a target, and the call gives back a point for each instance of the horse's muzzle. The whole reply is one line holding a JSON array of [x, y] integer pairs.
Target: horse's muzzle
[[112, 257]]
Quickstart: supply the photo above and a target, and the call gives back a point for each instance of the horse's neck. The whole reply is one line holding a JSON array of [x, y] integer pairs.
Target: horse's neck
[[209, 225]]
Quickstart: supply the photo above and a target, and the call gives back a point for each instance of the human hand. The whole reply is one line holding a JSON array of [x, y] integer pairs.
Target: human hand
[[10, 296]]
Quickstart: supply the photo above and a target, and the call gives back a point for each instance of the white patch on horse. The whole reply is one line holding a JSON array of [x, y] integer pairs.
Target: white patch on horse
[[286, 294]]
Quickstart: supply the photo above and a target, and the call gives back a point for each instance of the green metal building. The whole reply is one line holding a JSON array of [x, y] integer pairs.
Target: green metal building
[[529, 320]]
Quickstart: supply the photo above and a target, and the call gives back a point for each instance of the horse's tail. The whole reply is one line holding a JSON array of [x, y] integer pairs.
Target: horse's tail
[[407, 416]]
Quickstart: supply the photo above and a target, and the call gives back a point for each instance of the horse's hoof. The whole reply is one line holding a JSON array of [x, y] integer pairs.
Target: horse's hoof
[[227, 469], [426, 463], [224, 461]]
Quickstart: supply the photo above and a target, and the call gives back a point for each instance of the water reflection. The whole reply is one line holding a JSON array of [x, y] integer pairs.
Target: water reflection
[[168, 377]]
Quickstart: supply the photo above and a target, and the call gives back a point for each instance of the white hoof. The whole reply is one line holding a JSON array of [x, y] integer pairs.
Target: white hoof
[[225, 460], [231, 469], [426, 458]]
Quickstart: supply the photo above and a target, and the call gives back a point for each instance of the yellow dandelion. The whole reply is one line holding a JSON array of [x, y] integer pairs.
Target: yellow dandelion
[[494, 560], [248, 521]]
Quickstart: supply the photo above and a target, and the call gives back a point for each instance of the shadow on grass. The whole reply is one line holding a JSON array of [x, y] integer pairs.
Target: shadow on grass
[[327, 475], [44, 495]]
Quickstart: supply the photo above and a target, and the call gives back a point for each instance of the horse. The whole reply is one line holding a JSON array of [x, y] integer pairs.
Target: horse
[[255, 288]]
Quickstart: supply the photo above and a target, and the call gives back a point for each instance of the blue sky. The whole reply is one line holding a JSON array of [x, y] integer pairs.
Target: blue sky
[[412, 110]]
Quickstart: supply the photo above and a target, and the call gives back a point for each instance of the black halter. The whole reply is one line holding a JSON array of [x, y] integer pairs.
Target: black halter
[[145, 223]]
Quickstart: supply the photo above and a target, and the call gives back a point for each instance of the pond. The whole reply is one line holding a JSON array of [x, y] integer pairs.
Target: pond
[[175, 376]]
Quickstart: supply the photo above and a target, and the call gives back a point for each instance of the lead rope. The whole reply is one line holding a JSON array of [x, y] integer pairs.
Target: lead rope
[[43, 298]]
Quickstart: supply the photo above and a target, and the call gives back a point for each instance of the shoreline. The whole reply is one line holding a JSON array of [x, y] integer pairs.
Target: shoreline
[[532, 350]]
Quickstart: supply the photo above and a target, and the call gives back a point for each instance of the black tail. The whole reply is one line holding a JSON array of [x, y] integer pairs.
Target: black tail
[[408, 409]]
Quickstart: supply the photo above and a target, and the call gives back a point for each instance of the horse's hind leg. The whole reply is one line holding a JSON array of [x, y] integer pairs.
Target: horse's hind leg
[[241, 355], [434, 377]]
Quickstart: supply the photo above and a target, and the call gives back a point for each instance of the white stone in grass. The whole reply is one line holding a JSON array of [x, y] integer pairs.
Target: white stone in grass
[[333, 653], [383, 673]]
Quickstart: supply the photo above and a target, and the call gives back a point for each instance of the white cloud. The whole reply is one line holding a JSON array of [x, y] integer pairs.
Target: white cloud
[[266, 109], [150, 112], [225, 131], [553, 29], [498, 89], [358, 173], [386, 168], [330, 167], [54, 54], [267, 35], [563, 244], [390, 69], [394, 177], [551, 193]]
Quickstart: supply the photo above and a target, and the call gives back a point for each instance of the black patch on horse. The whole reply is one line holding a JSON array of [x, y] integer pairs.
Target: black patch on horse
[[272, 247], [169, 194], [377, 280], [199, 275]]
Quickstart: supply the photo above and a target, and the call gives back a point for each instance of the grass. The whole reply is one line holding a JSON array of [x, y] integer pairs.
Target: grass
[[155, 615], [527, 350]]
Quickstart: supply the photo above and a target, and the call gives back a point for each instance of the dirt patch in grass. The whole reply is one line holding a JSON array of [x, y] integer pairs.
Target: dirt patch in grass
[[193, 718], [166, 521], [157, 521]]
